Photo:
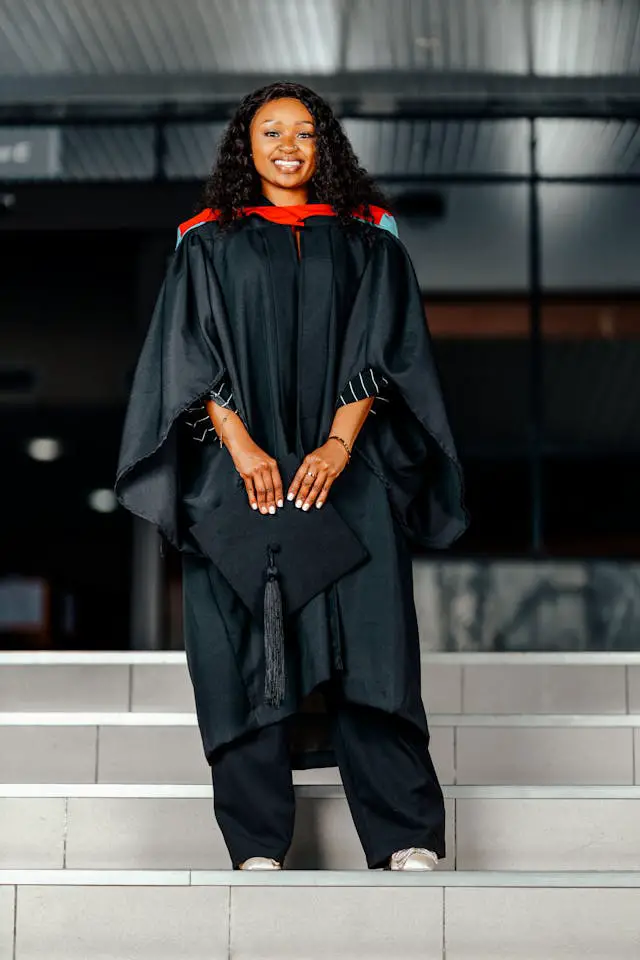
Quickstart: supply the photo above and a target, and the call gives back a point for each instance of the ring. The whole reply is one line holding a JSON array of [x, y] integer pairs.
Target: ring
[[310, 474]]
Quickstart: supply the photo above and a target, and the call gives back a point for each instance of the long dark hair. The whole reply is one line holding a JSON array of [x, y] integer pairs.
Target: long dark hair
[[339, 180]]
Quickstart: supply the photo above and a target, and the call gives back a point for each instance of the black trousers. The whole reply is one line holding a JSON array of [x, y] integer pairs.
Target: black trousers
[[389, 779]]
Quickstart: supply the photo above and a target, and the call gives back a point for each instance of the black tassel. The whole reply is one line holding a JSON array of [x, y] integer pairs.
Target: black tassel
[[274, 684]]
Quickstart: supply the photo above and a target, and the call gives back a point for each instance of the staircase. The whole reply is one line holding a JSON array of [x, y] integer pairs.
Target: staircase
[[109, 849]]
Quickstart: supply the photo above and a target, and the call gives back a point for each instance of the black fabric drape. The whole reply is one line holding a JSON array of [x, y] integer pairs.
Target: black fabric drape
[[287, 333]]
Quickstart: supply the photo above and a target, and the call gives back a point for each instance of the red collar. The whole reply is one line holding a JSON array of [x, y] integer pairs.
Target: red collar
[[293, 214], [290, 216]]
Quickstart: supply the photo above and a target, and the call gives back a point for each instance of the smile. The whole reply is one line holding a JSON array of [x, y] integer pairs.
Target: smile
[[288, 166]]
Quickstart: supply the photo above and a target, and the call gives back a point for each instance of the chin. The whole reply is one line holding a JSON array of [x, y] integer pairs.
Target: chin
[[288, 184]]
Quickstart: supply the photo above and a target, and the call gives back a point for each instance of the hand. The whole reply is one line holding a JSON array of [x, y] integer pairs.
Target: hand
[[326, 463], [261, 476]]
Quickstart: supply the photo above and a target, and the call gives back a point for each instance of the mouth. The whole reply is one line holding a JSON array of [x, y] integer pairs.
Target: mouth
[[288, 166]]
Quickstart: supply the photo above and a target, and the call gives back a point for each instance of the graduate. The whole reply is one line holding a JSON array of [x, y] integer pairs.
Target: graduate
[[290, 329]]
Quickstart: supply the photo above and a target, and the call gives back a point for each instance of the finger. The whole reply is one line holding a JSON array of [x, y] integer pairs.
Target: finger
[[305, 486], [268, 487], [318, 485], [324, 493], [297, 480], [277, 486], [260, 491], [251, 493]]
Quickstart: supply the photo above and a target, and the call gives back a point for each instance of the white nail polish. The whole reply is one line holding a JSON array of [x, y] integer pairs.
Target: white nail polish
[[281, 503], [319, 504], [272, 509], [263, 509], [306, 506], [298, 504], [254, 506], [289, 496]]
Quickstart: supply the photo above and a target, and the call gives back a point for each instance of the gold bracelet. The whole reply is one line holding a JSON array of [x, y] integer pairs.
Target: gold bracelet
[[334, 436]]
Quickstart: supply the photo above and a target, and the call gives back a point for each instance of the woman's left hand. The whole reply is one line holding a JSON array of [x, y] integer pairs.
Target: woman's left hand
[[325, 463]]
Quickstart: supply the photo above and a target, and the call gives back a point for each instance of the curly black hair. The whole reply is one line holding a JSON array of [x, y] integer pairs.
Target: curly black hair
[[339, 180]]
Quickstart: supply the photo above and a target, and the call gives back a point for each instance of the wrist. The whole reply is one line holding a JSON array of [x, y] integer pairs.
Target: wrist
[[346, 446], [233, 433]]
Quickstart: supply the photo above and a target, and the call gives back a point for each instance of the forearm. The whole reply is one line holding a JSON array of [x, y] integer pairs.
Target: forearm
[[349, 418], [227, 424], [347, 422]]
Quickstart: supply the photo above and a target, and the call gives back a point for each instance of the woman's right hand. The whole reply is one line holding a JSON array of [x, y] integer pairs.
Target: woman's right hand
[[259, 471], [261, 476]]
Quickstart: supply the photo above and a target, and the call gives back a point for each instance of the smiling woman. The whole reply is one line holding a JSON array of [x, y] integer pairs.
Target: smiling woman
[[289, 308]]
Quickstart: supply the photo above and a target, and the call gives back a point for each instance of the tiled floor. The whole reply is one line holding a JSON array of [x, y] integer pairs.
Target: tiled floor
[[7, 897], [532, 688], [73, 687], [113, 923], [544, 755], [349, 924], [548, 835], [538, 924]]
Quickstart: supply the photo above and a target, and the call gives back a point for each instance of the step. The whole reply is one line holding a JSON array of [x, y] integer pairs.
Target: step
[[126, 747], [453, 683], [110, 915], [169, 827]]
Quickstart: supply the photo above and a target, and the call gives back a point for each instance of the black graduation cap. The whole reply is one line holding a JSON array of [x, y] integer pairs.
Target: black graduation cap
[[277, 562]]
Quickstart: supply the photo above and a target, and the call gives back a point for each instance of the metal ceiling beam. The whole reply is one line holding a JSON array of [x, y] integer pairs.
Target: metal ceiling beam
[[353, 93]]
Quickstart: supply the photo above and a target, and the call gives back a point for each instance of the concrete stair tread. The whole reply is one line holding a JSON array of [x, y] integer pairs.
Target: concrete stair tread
[[178, 658], [105, 718], [323, 878], [321, 791]]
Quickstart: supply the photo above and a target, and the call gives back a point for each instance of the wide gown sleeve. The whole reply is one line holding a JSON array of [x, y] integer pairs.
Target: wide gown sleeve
[[365, 384], [411, 448], [198, 421], [180, 363]]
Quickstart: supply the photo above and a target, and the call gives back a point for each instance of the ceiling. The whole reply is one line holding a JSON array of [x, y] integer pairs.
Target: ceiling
[[131, 89], [378, 51]]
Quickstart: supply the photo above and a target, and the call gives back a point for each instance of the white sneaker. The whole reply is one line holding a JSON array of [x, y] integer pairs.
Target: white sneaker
[[415, 858], [260, 863]]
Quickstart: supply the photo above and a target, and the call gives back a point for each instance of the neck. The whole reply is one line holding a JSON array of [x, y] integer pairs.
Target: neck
[[285, 196]]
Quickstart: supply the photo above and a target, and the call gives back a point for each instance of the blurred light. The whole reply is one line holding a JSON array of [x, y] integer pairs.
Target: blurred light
[[104, 501], [428, 43], [44, 449]]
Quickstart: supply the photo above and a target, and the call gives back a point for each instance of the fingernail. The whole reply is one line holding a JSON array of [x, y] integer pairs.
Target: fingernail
[[298, 504], [306, 506], [289, 496], [272, 509], [263, 509], [281, 503], [319, 504], [254, 506]]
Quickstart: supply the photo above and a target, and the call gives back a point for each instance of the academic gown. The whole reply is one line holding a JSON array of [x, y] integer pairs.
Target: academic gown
[[286, 331]]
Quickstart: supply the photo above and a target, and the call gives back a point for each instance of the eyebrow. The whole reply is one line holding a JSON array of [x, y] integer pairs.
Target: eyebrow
[[297, 123]]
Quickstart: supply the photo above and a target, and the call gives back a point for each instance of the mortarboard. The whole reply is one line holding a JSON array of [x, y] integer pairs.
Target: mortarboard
[[277, 562]]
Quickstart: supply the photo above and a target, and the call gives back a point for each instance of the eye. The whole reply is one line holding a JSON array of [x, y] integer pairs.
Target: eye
[[269, 133], [306, 135]]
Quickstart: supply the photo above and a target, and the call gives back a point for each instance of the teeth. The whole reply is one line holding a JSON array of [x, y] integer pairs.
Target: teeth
[[288, 163]]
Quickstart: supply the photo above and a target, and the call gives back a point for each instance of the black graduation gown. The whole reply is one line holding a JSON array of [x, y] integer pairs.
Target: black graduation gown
[[288, 333]]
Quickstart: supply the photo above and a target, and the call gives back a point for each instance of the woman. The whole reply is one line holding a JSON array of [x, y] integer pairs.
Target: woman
[[290, 321]]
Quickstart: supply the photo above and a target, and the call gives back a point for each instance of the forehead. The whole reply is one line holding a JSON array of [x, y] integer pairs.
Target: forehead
[[283, 110]]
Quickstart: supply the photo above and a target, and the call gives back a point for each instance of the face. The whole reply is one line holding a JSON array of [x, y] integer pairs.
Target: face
[[283, 144]]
